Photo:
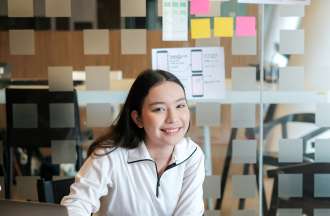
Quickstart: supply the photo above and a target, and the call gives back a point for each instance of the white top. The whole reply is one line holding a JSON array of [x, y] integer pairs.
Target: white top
[[127, 182]]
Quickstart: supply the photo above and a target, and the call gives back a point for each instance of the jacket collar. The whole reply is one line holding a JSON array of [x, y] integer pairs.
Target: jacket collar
[[182, 151]]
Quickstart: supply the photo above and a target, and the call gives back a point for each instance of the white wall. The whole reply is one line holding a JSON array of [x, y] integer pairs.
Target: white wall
[[317, 46], [316, 61]]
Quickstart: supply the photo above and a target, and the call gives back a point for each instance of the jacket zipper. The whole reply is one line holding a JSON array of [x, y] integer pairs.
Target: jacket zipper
[[158, 181], [167, 168], [159, 176]]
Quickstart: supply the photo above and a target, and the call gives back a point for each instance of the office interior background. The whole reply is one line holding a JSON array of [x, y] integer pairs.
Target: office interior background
[[66, 66]]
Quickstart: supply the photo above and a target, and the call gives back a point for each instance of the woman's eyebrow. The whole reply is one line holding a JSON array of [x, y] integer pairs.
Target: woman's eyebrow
[[161, 102], [181, 99], [156, 103]]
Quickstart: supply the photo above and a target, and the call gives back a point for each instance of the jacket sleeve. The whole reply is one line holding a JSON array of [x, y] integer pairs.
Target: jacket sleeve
[[90, 184], [191, 202]]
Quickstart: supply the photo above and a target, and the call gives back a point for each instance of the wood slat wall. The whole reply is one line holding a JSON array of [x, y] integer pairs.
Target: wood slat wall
[[65, 48]]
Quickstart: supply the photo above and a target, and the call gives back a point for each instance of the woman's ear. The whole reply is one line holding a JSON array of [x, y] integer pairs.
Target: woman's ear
[[136, 118]]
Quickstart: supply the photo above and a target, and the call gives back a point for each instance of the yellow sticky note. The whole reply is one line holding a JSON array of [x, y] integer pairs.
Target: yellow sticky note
[[223, 26], [200, 28]]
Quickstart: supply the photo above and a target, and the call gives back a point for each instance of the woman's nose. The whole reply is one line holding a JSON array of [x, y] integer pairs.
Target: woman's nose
[[172, 116]]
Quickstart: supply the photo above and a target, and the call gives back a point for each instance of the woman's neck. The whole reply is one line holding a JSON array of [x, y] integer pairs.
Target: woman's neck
[[162, 155]]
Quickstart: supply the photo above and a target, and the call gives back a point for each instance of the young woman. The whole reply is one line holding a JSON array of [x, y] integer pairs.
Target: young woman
[[144, 165]]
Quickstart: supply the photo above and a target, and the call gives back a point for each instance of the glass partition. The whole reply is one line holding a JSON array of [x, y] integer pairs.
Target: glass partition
[[266, 142]]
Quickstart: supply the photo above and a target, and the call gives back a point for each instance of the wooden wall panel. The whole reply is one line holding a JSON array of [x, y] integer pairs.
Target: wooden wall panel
[[59, 48]]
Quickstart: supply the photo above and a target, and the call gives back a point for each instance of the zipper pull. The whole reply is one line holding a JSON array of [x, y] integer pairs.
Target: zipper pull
[[158, 184]]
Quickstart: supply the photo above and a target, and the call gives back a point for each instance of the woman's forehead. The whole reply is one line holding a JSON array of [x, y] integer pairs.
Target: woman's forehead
[[167, 90]]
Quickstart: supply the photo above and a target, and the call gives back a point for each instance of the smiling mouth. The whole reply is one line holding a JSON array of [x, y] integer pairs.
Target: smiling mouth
[[171, 130]]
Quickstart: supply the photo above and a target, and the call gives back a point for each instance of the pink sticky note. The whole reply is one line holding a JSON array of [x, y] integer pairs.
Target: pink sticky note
[[199, 7], [245, 26]]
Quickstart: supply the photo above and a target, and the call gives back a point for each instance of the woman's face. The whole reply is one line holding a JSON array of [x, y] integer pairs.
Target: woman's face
[[165, 115]]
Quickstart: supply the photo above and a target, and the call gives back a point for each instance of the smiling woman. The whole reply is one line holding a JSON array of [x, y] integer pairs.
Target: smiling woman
[[144, 165], [165, 120]]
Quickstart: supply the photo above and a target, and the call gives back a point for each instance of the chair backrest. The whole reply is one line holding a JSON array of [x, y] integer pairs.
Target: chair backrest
[[53, 191], [37, 129], [283, 122], [314, 181], [306, 169], [31, 124]]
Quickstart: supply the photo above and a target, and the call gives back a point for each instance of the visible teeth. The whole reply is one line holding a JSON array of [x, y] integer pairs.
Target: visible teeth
[[171, 130]]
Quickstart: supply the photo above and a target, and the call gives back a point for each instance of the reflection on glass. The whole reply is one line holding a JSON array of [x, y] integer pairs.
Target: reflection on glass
[[290, 185], [61, 115]]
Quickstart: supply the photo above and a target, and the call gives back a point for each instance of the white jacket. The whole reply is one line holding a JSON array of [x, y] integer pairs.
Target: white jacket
[[125, 182]]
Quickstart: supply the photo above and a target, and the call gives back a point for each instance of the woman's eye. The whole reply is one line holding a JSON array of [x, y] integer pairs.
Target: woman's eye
[[158, 109], [181, 106]]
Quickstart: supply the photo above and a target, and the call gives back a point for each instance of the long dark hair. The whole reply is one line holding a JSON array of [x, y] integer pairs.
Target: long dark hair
[[124, 132]]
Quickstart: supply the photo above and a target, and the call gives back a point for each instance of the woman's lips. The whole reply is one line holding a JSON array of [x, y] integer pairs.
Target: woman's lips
[[171, 130]]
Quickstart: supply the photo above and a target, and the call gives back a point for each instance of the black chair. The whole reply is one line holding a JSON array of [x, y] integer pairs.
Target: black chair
[[32, 139], [272, 159], [52, 191], [269, 159], [307, 202], [2, 172], [283, 122]]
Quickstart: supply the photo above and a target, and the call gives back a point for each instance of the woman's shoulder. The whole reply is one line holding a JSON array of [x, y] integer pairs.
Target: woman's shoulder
[[187, 150], [191, 145], [107, 148], [197, 149]]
